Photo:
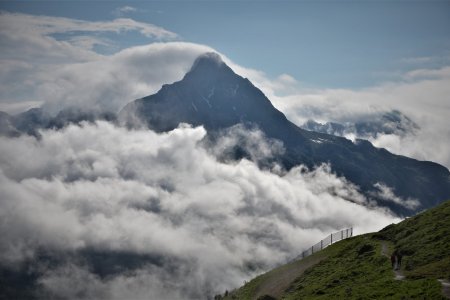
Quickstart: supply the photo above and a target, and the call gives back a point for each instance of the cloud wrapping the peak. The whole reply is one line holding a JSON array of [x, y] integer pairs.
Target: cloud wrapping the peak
[[38, 68], [107, 83], [118, 79], [40, 55]]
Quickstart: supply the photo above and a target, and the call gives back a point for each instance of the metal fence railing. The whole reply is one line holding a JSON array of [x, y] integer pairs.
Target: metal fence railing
[[330, 239]]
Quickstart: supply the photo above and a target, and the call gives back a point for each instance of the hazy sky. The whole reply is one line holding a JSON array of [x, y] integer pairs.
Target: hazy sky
[[346, 44]]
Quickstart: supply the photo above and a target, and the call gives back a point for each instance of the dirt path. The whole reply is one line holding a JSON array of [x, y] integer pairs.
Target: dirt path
[[281, 279], [445, 288], [384, 250], [399, 275]]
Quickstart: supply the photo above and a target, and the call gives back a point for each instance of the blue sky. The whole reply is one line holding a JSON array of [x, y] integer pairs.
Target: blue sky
[[335, 44]]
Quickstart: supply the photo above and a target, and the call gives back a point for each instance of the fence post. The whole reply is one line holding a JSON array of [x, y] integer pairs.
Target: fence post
[[347, 231]]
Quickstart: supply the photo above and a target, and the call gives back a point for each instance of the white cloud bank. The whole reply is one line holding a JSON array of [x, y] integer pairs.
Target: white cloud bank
[[41, 55], [107, 188], [425, 100], [386, 193]]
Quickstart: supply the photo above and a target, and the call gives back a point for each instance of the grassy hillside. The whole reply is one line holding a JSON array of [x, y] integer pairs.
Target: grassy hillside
[[425, 242], [360, 268]]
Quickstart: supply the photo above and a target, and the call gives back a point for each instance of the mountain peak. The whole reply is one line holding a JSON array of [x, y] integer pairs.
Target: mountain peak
[[213, 96], [210, 59], [209, 66]]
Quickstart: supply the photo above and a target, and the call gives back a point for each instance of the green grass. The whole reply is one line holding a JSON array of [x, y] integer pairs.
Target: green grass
[[425, 242], [281, 276], [355, 268]]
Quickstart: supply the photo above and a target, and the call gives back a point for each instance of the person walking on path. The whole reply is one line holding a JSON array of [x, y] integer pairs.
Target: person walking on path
[[399, 260], [394, 260]]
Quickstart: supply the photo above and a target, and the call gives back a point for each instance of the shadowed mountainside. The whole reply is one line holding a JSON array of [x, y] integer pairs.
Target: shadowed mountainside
[[212, 95], [393, 122]]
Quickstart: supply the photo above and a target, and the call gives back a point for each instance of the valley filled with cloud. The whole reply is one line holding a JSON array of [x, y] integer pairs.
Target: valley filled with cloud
[[210, 224]]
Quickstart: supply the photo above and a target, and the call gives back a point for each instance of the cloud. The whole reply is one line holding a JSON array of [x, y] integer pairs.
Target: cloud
[[46, 60], [105, 84], [418, 60], [110, 82], [423, 99], [45, 25], [88, 42], [88, 80], [120, 11], [257, 147], [423, 74], [115, 80], [39, 54], [387, 194], [98, 186], [72, 281]]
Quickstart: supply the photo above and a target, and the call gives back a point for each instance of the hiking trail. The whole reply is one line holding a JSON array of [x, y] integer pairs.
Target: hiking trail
[[445, 288], [274, 286], [398, 273]]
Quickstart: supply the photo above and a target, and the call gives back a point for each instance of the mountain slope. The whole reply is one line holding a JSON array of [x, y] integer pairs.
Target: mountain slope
[[35, 119], [392, 122], [212, 95], [356, 268]]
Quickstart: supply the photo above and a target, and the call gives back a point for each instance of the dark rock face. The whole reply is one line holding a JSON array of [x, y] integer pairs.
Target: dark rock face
[[34, 119], [7, 127], [212, 95]]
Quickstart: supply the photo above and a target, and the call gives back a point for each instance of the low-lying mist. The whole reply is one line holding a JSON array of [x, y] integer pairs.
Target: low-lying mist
[[137, 214]]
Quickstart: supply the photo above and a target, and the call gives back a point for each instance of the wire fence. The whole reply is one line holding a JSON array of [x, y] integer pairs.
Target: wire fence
[[330, 239]]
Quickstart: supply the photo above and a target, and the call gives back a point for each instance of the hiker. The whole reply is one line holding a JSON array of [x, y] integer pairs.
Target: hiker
[[399, 260], [394, 260]]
